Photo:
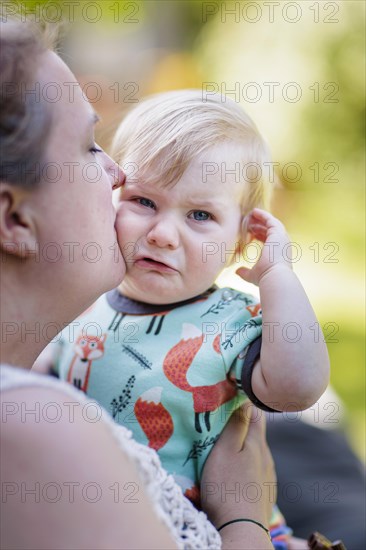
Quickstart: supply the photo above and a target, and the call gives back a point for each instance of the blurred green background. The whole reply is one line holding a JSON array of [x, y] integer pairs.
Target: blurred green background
[[298, 69]]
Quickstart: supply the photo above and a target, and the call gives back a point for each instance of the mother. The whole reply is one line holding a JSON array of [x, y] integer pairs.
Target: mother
[[70, 477]]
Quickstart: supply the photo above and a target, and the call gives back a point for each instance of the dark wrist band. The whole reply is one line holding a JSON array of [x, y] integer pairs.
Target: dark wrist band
[[248, 521]]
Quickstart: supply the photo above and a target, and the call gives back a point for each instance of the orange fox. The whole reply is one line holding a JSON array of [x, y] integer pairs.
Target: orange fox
[[254, 310], [206, 399], [87, 348], [154, 419], [190, 490]]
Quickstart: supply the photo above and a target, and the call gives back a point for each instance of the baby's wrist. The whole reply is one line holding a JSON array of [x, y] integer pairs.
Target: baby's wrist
[[274, 270]]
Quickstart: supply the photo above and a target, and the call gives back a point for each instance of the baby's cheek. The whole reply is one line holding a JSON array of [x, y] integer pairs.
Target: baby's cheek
[[121, 229], [207, 262]]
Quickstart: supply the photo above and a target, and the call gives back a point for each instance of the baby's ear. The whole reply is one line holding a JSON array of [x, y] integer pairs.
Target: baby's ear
[[244, 238], [17, 230], [245, 235], [237, 257]]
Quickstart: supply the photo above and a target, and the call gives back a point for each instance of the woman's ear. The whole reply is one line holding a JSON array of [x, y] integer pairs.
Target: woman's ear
[[17, 230]]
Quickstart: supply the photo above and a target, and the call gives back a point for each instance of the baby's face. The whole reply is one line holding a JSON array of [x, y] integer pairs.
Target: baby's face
[[177, 240]]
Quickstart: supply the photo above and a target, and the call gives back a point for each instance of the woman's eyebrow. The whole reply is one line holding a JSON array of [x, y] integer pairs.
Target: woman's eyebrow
[[92, 120], [95, 118]]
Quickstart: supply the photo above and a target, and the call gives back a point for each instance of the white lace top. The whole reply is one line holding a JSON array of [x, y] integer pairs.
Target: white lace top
[[190, 528]]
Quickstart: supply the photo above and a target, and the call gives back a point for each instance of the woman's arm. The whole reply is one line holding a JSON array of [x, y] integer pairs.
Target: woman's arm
[[66, 483], [245, 536], [240, 462]]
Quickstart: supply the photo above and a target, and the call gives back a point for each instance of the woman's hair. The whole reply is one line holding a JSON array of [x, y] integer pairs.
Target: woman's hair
[[25, 120], [164, 133]]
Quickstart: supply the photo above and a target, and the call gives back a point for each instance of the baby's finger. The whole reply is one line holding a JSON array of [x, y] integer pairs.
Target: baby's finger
[[257, 423], [267, 218], [258, 232], [245, 273]]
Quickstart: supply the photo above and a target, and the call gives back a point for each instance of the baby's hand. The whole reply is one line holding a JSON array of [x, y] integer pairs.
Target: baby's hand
[[276, 251]]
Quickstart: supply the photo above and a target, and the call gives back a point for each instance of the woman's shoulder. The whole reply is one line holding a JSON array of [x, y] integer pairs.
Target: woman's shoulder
[[37, 407], [44, 417], [37, 401], [51, 435], [13, 378], [64, 435]]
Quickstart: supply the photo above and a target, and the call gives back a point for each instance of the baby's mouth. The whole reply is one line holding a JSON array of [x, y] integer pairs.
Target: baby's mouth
[[155, 265]]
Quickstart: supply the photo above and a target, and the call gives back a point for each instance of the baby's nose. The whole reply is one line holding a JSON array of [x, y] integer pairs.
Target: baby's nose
[[164, 234]]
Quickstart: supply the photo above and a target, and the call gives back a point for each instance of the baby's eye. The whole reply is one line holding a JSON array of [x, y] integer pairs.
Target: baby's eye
[[145, 202], [200, 215]]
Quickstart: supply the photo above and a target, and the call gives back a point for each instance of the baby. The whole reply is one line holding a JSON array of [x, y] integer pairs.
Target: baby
[[168, 353]]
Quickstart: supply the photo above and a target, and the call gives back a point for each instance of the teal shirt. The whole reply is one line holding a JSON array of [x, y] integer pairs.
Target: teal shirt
[[170, 374]]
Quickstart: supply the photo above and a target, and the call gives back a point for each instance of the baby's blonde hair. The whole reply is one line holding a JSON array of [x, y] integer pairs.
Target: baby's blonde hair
[[167, 131]]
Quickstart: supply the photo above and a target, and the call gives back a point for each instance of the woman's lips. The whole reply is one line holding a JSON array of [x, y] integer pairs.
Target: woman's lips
[[153, 265]]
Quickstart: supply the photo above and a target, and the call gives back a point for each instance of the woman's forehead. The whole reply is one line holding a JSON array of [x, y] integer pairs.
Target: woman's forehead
[[52, 69], [61, 91]]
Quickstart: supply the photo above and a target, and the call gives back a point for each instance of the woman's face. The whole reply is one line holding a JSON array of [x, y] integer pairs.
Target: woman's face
[[75, 216]]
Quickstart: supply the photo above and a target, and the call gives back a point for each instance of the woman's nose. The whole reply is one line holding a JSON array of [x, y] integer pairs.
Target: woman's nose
[[115, 172], [119, 177], [164, 234]]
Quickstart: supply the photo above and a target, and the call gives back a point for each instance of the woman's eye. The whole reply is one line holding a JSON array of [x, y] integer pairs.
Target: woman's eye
[[93, 150], [200, 215], [145, 202]]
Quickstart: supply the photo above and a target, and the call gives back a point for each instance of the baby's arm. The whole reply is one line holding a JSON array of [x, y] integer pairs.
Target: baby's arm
[[47, 359], [292, 372]]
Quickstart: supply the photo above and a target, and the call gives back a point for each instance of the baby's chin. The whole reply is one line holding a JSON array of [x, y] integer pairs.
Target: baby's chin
[[158, 297]]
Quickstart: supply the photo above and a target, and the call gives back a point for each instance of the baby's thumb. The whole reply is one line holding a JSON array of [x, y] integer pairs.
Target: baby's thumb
[[245, 273], [236, 430]]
